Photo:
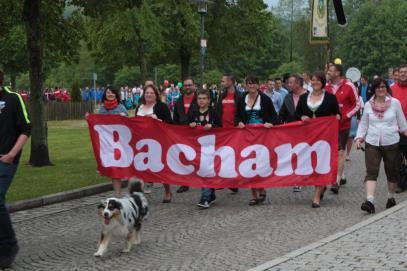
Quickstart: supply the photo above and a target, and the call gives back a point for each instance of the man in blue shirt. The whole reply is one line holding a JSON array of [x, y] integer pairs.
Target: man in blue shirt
[[275, 97], [279, 88]]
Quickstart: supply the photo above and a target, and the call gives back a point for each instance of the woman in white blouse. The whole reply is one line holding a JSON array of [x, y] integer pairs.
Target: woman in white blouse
[[379, 128]]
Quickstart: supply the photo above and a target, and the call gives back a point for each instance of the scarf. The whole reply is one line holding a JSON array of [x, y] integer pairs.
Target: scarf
[[379, 109], [109, 105]]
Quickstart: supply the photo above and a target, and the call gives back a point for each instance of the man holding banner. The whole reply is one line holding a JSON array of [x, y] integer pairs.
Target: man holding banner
[[186, 102]]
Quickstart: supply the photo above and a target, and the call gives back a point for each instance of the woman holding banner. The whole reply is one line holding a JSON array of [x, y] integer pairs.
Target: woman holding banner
[[255, 108], [111, 105], [379, 127], [151, 106], [317, 103]]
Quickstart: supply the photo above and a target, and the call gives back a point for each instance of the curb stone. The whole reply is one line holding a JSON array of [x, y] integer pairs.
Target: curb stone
[[60, 197], [329, 239]]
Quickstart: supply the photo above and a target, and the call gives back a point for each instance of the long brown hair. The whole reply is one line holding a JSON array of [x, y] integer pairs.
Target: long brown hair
[[157, 94]]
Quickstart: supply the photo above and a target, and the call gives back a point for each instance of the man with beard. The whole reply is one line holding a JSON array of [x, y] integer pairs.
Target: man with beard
[[187, 101], [349, 105]]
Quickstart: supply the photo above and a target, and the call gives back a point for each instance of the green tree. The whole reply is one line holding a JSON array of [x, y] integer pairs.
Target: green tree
[[130, 76], [290, 67], [123, 32], [13, 53], [46, 27], [245, 37], [375, 38]]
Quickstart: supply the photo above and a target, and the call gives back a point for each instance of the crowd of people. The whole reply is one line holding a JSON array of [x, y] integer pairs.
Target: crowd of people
[[371, 114], [377, 107]]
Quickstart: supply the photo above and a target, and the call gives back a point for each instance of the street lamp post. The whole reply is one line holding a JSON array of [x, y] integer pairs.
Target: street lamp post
[[202, 10]]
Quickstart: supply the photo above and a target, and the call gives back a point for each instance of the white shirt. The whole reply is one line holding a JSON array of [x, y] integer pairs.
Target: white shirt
[[142, 111], [385, 131]]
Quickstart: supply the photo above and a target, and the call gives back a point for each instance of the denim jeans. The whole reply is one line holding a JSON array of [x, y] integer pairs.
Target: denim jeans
[[207, 193], [7, 236]]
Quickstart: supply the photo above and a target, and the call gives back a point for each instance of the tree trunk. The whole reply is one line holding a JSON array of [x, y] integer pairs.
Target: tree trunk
[[13, 81], [185, 58], [39, 140]]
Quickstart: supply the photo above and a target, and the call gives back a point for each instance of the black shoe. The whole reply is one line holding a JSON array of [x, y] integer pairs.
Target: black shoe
[[315, 205], [182, 189], [234, 190], [6, 259], [368, 207], [335, 188], [390, 203], [342, 181]]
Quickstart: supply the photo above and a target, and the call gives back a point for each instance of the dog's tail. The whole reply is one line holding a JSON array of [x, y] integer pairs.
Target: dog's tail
[[136, 186]]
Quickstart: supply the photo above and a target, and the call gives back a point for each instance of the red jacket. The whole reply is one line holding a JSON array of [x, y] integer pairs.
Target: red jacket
[[399, 92], [348, 101]]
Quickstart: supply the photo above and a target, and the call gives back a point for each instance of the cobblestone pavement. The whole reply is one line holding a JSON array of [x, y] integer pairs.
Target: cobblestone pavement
[[178, 236], [381, 245]]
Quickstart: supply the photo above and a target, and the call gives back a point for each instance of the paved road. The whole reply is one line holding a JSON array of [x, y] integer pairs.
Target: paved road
[[179, 236], [381, 245]]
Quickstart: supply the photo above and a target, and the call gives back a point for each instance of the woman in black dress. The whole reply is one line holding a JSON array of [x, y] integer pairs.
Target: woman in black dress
[[318, 103]]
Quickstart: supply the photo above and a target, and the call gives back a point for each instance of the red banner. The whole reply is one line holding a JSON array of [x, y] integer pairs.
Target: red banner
[[286, 155]]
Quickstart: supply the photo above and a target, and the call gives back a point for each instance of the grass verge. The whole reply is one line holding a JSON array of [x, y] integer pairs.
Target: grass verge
[[74, 164]]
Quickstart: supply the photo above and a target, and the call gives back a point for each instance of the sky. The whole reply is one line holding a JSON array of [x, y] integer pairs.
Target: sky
[[271, 2]]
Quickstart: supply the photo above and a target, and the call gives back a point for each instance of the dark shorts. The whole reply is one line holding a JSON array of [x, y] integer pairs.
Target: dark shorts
[[391, 159], [343, 139]]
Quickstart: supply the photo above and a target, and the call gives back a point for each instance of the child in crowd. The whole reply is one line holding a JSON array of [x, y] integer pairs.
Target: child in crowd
[[206, 117]]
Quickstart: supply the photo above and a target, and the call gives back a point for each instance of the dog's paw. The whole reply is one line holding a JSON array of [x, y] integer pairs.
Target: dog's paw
[[126, 250], [98, 254]]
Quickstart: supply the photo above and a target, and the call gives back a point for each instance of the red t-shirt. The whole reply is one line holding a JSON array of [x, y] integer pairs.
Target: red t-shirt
[[348, 101], [228, 110], [399, 92], [187, 102]]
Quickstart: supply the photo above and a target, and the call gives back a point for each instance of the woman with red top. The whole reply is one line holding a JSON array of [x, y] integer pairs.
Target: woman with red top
[[111, 105]]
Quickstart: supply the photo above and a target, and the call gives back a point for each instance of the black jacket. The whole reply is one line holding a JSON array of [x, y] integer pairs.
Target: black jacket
[[287, 110], [14, 121], [267, 111], [213, 117], [161, 110], [328, 107], [219, 107], [180, 117]]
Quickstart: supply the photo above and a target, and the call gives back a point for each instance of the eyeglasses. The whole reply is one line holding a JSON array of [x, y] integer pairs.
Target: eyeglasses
[[188, 85]]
